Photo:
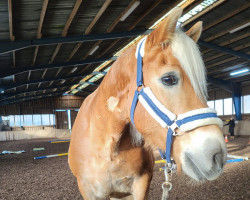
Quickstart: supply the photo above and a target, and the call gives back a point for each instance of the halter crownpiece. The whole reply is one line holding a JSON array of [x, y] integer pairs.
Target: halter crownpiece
[[184, 122]]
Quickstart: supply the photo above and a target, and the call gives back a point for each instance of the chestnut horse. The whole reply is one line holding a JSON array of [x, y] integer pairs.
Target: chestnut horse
[[110, 154]]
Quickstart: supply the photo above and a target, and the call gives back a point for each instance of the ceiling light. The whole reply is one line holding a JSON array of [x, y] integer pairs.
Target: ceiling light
[[73, 70], [240, 27], [63, 81], [133, 7], [242, 71], [93, 50]]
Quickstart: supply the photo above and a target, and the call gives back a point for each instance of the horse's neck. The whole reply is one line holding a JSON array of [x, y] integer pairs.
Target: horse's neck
[[112, 104]]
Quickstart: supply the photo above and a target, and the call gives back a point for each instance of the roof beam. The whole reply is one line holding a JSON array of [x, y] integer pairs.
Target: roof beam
[[31, 97], [225, 17], [224, 49], [211, 7], [5, 73], [91, 25], [6, 47], [227, 42], [232, 87], [12, 94], [243, 46], [12, 37], [225, 31], [66, 27], [39, 30], [10, 86]]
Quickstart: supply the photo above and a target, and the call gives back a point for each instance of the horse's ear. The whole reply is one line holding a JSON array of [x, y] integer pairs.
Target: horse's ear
[[166, 29], [195, 31]]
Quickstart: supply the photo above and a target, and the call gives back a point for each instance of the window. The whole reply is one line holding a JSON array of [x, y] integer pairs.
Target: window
[[28, 120], [12, 120], [219, 106], [45, 119], [52, 119], [37, 121], [210, 104], [246, 102], [228, 105], [18, 120]]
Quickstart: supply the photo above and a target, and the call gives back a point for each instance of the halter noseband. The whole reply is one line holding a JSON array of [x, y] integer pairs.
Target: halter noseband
[[184, 122]]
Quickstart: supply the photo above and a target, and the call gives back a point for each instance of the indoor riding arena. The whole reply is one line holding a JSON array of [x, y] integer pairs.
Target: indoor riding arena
[[60, 114]]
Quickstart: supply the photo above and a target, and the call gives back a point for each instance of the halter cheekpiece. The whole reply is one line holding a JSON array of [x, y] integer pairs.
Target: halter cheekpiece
[[184, 122]]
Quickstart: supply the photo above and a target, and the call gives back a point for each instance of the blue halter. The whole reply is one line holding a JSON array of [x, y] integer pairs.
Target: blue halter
[[166, 118]]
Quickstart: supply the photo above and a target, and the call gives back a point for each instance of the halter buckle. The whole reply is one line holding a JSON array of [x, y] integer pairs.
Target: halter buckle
[[139, 88], [174, 126]]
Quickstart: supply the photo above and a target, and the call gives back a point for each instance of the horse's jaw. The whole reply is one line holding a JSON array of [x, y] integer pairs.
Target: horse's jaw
[[204, 157]]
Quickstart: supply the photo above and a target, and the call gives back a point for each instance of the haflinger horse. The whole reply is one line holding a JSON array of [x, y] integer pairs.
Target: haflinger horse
[[154, 91]]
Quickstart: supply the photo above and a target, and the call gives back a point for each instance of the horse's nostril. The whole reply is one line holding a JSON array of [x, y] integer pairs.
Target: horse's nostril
[[218, 160]]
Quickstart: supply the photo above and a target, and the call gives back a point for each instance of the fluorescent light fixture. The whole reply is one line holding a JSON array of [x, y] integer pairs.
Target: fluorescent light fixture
[[77, 110], [63, 81], [93, 50], [242, 71], [240, 27], [133, 7], [60, 110], [73, 70]]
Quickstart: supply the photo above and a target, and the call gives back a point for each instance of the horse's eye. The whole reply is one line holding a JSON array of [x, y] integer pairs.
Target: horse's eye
[[169, 80]]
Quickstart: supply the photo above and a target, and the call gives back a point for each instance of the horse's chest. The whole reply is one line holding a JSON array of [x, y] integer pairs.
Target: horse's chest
[[122, 186]]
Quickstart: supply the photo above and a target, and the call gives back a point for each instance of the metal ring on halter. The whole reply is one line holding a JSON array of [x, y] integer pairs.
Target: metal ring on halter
[[141, 86], [166, 185]]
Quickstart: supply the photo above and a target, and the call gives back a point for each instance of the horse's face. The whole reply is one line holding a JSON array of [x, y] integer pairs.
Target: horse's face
[[201, 152]]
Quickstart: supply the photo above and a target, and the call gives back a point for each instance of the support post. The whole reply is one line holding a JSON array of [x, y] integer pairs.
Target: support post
[[237, 105]]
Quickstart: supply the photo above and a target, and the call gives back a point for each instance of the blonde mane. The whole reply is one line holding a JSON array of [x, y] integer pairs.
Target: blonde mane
[[188, 54]]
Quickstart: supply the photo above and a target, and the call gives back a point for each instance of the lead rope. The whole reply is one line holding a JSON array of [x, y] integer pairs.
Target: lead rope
[[170, 169]]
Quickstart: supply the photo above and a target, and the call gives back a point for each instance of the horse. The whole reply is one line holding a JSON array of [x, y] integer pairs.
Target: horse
[[112, 142]]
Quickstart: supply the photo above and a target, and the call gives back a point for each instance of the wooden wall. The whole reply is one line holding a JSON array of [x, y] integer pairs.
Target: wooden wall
[[42, 106]]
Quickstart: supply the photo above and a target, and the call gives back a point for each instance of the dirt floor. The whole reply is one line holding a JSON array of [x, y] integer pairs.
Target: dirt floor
[[23, 178]]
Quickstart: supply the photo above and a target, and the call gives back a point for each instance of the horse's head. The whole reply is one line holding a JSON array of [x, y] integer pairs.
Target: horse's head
[[174, 71]]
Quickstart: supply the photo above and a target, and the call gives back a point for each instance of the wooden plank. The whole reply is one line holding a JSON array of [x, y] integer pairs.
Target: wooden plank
[[40, 25], [55, 53], [243, 46], [227, 42], [12, 37], [39, 30], [98, 15], [221, 62], [71, 17], [66, 27], [206, 10], [225, 17], [64, 33], [222, 69], [134, 24], [117, 20], [146, 12], [226, 31], [89, 28]]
